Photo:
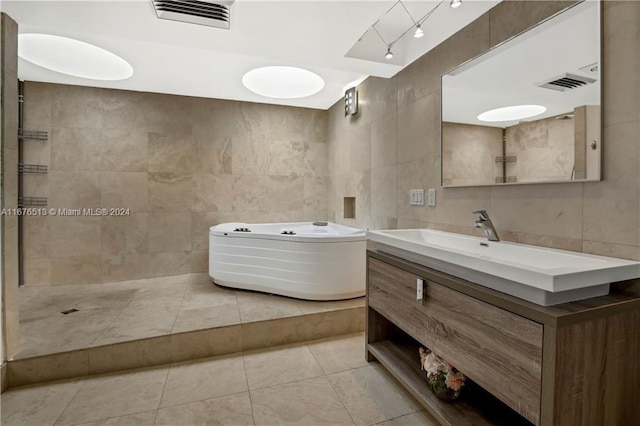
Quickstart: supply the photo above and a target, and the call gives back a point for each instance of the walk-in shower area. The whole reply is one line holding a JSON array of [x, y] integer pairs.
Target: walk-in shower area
[[151, 321]]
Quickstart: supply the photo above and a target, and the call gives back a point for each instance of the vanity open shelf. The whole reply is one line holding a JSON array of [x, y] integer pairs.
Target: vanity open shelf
[[476, 407], [571, 364]]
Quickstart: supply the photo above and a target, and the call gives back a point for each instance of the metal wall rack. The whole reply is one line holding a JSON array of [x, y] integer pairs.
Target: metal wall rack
[[26, 169]]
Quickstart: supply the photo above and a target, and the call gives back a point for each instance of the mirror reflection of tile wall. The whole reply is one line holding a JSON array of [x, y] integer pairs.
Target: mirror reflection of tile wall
[[542, 68]]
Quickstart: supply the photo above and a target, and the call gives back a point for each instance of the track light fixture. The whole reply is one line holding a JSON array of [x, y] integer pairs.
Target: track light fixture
[[417, 25], [419, 33], [389, 53]]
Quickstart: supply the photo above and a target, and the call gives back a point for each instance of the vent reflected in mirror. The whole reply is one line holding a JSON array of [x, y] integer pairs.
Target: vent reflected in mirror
[[542, 93]]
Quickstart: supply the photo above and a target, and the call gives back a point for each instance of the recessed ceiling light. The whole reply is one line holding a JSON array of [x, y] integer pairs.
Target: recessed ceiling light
[[72, 57], [510, 113], [283, 82]]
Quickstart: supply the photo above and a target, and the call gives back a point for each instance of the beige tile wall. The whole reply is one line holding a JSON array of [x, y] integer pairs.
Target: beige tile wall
[[469, 154], [182, 164], [545, 150], [179, 164], [9, 193], [393, 145]]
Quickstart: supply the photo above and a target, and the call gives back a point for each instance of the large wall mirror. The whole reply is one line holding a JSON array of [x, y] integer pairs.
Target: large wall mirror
[[527, 111]]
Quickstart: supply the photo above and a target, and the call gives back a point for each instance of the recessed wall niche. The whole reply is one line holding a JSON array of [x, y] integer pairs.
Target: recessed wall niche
[[349, 207]]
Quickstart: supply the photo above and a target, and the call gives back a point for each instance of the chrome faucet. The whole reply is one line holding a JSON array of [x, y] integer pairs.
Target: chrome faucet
[[485, 224]]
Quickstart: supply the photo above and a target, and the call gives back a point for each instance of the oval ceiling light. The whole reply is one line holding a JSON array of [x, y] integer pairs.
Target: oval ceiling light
[[72, 57], [511, 113], [283, 82]]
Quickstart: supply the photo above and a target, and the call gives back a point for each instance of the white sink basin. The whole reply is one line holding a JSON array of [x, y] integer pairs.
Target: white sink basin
[[540, 275]]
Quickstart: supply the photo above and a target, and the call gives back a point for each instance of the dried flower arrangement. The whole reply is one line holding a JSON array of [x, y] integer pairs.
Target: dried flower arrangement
[[444, 380]]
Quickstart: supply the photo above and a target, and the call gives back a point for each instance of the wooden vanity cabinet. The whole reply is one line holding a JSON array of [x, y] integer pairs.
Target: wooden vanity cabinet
[[571, 364]]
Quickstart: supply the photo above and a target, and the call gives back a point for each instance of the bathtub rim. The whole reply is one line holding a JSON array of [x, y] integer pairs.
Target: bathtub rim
[[223, 230]]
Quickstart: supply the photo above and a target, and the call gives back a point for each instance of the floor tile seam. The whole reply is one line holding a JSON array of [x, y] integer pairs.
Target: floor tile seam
[[82, 382], [92, 343], [167, 333], [200, 400], [316, 360], [109, 292], [100, 419], [331, 385], [239, 318], [171, 332], [111, 375], [377, 423], [369, 365], [200, 361], [58, 316], [164, 386], [188, 308], [273, 348], [184, 292], [246, 380], [287, 383], [100, 331], [173, 324], [344, 405], [397, 417]]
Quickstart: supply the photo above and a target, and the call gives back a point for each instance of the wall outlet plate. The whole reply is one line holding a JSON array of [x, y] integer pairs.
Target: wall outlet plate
[[419, 289], [431, 197]]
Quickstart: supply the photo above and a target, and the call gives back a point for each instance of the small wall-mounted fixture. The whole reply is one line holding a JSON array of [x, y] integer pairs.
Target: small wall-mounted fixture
[[350, 101]]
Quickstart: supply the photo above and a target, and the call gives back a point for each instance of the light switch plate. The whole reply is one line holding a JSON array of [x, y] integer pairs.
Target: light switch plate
[[416, 197]]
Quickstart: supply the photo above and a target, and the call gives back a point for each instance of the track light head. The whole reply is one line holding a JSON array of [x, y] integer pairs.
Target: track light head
[[389, 53], [455, 3], [419, 33]]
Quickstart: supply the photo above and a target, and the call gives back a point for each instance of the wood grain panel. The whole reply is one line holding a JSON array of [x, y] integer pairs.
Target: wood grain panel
[[499, 350], [619, 300], [597, 378]]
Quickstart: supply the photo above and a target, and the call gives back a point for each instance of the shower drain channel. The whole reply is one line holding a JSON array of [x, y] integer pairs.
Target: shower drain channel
[[70, 311]]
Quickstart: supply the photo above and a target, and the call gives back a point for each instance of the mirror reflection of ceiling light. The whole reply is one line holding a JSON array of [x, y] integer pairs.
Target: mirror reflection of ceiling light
[[282, 82], [72, 57], [511, 113]]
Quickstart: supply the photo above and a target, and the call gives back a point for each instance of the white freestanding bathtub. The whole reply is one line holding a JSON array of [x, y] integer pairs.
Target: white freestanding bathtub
[[305, 260]]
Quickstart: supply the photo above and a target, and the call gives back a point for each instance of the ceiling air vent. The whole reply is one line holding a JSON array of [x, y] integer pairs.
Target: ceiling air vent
[[202, 12], [566, 82]]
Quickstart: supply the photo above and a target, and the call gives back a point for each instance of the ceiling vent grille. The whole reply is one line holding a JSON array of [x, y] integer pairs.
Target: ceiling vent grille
[[566, 82], [201, 12]]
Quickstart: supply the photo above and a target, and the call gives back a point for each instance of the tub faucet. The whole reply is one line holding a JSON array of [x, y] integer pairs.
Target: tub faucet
[[485, 224]]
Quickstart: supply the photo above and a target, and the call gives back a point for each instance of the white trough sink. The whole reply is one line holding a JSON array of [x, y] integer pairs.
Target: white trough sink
[[540, 275]]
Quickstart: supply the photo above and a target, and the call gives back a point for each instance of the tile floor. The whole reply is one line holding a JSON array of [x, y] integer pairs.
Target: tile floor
[[132, 310], [320, 382]]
